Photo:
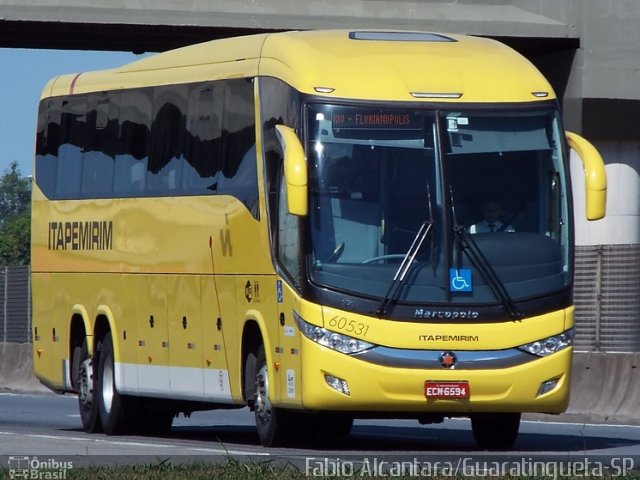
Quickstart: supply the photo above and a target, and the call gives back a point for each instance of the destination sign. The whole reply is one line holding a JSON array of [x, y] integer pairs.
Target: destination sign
[[373, 118]]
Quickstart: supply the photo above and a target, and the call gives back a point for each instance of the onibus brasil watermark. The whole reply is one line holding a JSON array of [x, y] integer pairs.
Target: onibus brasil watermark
[[469, 467], [34, 468]]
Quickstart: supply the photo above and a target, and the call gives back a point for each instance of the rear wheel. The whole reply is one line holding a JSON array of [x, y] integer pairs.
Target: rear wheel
[[275, 425], [112, 407], [84, 382], [152, 418], [495, 431]]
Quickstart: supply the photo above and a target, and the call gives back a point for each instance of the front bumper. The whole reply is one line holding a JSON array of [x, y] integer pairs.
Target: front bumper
[[386, 388]]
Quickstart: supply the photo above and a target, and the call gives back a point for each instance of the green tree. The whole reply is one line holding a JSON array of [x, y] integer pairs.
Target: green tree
[[15, 217]]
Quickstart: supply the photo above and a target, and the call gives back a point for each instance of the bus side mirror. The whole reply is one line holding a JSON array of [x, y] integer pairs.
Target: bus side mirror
[[595, 176], [295, 170]]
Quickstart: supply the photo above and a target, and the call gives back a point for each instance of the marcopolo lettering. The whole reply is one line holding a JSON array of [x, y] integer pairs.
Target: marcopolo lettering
[[446, 314], [89, 235]]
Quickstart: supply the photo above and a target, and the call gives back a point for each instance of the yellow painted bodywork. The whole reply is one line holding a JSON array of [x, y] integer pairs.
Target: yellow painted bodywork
[[199, 259], [480, 69], [381, 388], [386, 389], [173, 259], [595, 176]]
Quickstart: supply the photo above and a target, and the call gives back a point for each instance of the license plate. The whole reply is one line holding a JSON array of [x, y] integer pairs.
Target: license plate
[[434, 389]]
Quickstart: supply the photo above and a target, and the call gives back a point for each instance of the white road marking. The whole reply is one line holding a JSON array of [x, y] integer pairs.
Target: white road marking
[[128, 443], [580, 424], [224, 451]]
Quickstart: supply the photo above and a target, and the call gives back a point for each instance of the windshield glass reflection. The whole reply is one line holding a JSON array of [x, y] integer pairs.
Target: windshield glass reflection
[[376, 177]]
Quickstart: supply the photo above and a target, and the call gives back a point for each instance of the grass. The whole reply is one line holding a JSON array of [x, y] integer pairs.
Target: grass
[[232, 469], [227, 470]]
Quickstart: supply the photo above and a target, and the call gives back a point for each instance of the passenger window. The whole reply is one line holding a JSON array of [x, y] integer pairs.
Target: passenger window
[[204, 139], [132, 153], [239, 169], [167, 154], [70, 151], [98, 159]]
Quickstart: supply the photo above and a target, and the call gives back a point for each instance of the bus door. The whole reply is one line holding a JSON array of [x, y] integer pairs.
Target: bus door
[[287, 348], [288, 345]]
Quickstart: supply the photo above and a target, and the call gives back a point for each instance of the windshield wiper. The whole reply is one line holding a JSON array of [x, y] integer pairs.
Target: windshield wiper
[[466, 244], [407, 260]]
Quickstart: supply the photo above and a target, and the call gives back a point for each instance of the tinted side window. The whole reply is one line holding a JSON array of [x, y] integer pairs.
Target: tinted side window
[[280, 104], [69, 168], [132, 152], [47, 141], [196, 139], [239, 169], [204, 138], [99, 148], [167, 153]]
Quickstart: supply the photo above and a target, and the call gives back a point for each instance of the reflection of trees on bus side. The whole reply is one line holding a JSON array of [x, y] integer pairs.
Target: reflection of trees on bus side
[[169, 140]]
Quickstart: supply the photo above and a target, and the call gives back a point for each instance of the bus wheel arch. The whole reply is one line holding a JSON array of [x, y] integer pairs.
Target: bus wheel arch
[[82, 370], [77, 338], [100, 330], [252, 339], [275, 425], [112, 407]]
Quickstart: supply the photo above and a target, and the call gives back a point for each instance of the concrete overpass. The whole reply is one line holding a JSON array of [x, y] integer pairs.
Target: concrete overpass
[[584, 47], [589, 50]]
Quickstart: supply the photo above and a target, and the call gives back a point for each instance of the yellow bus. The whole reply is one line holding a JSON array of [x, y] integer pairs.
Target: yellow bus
[[292, 222]]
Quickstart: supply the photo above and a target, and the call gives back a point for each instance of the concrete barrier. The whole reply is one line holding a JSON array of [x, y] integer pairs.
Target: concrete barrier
[[16, 369], [605, 387]]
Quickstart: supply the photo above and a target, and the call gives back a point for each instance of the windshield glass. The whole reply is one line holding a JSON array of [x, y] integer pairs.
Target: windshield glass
[[377, 175]]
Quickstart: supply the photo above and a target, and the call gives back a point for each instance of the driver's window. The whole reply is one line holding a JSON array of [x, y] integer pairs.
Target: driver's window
[[289, 245]]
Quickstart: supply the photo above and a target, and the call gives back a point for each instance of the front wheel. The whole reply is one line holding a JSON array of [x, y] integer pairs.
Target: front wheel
[[495, 431], [275, 425], [112, 407], [333, 424]]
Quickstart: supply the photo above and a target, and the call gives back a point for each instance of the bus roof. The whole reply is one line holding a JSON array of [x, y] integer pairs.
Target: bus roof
[[371, 64]]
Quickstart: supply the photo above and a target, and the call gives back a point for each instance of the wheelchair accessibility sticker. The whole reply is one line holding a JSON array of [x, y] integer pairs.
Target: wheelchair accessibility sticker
[[460, 280]]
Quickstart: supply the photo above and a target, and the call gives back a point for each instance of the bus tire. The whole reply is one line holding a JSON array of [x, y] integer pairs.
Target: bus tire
[[333, 424], [153, 421], [249, 379], [85, 385], [495, 431], [112, 407], [274, 424]]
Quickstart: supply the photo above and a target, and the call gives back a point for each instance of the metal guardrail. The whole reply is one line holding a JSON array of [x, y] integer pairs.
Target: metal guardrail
[[607, 299], [15, 304]]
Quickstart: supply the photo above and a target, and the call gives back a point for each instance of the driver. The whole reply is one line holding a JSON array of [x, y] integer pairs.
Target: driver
[[491, 213]]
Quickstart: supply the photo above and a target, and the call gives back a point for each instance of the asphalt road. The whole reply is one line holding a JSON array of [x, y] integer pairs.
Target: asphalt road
[[48, 427]]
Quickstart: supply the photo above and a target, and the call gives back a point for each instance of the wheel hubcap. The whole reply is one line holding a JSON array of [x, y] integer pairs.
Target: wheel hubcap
[[107, 385], [262, 403], [85, 382]]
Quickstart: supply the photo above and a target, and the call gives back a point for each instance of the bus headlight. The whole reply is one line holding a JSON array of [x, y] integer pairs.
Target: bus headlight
[[550, 345], [333, 340]]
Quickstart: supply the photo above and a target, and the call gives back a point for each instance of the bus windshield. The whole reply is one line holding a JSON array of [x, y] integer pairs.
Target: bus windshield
[[492, 181]]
